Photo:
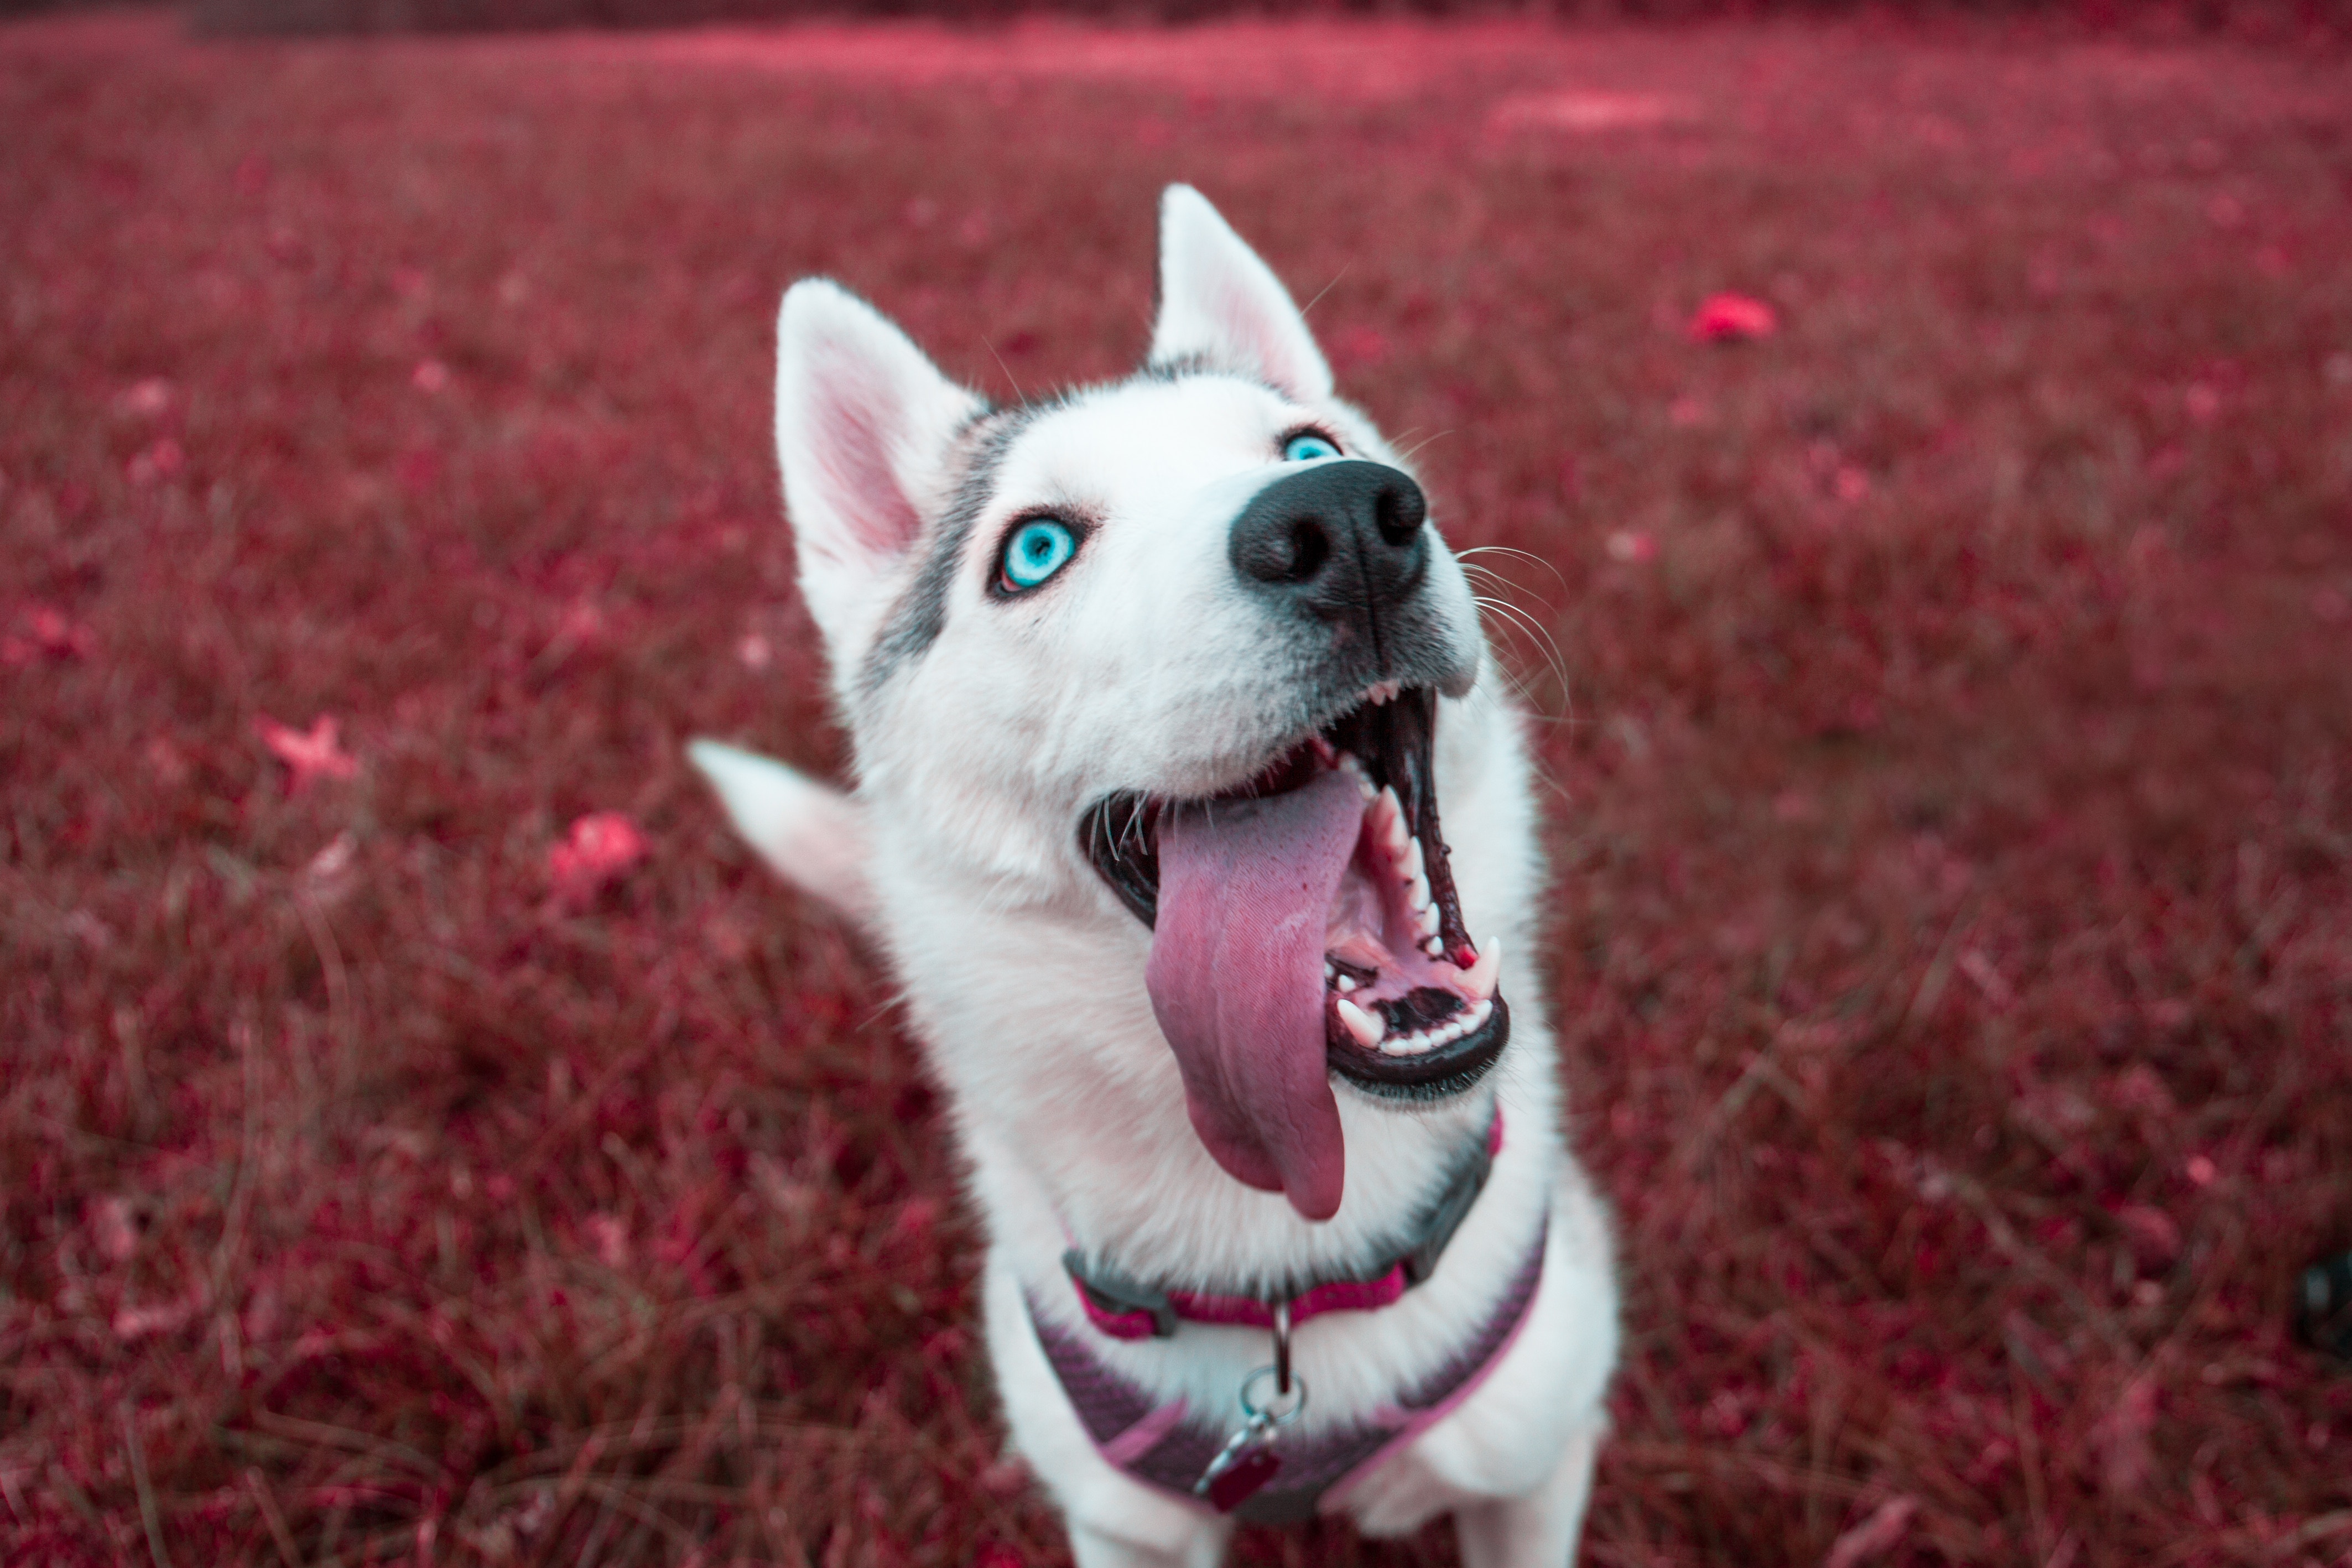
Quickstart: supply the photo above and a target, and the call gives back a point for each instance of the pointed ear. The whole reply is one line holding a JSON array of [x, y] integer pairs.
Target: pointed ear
[[865, 427], [1218, 303]]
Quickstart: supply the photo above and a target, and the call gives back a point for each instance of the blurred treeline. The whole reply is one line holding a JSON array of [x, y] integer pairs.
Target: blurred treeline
[[2252, 20]]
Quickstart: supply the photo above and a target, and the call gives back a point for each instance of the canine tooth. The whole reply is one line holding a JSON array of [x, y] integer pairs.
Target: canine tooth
[[1346, 983], [1367, 1029], [1481, 976]]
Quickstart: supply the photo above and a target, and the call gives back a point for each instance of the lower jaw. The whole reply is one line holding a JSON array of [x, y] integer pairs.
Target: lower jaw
[[1437, 1074]]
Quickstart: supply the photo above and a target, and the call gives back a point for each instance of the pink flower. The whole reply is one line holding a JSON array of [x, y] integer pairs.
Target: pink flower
[[601, 847], [308, 755], [1733, 319]]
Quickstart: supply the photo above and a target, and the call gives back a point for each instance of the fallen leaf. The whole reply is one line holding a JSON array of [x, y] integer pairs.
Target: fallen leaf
[[314, 753], [1733, 319]]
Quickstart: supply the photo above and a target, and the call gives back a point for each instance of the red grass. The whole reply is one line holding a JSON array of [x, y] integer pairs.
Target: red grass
[[1952, 745]]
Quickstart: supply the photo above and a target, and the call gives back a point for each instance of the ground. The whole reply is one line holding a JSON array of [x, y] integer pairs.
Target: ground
[[1943, 703]]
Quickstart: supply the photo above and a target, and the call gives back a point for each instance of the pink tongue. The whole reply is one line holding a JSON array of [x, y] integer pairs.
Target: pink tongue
[[1236, 980]]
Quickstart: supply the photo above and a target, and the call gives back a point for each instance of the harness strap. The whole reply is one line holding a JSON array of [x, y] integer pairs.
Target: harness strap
[[1126, 1307], [1168, 1445]]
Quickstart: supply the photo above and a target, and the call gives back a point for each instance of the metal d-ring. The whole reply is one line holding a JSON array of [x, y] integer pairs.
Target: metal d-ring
[[1256, 1413]]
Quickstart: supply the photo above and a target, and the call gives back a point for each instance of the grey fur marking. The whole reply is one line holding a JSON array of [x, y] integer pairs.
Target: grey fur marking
[[922, 613]]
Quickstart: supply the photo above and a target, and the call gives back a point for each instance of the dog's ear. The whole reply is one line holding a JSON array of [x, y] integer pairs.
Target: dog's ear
[[1220, 304], [865, 427]]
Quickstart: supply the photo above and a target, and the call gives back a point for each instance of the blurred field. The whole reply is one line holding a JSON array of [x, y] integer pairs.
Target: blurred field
[[1947, 696]]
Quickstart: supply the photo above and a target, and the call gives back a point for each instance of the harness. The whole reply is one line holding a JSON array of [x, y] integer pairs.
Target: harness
[[1260, 1474]]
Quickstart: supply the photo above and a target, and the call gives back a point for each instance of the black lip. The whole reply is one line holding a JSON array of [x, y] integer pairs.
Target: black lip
[[1118, 834], [1449, 1069], [1395, 740]]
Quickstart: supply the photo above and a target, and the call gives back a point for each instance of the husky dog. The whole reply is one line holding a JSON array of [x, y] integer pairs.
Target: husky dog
[[1157, 689]]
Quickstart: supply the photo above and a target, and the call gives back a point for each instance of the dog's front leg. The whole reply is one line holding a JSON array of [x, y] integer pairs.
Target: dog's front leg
[[1538, 1529], [1114, 1520]]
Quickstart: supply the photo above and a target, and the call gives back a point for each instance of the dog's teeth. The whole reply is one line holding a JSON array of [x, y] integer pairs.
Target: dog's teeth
[[1413, 864], [1367, 1029], [1346, 983], [1427, 915], [1480, 977], [1431, 945], [1476, 1018]]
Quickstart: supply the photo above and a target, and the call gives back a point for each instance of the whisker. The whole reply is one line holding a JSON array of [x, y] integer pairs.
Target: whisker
[[1407, 455], [1008, 373], [1309, 307], [1543, 561]]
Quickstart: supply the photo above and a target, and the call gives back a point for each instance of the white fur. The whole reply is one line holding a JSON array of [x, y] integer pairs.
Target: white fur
[[1147, 667], [811, 835]]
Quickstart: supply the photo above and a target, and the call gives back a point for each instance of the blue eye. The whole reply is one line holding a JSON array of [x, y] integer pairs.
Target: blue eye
[[1037, 549], [1305, 447]]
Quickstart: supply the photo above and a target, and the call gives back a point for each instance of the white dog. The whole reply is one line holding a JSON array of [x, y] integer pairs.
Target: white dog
[[1156, 690]]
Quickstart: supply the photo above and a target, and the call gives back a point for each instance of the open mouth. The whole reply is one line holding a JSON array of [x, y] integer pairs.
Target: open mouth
[[1310, 909]]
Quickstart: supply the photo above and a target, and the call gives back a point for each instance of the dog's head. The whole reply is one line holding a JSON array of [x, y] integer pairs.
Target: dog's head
[[1170, 650]]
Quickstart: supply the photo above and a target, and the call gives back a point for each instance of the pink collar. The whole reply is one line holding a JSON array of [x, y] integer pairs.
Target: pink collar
[[1124, 1308]]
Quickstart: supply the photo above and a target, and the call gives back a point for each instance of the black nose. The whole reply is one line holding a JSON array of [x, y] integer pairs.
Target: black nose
[[1341, 540]]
